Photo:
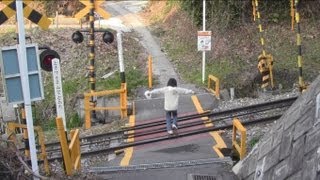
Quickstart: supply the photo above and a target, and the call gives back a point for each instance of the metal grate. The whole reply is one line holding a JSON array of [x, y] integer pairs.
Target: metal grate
[[200, 177]]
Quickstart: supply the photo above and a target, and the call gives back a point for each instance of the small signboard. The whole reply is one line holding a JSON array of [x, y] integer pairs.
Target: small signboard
[[204, 40], [12, 76], [56, 72]]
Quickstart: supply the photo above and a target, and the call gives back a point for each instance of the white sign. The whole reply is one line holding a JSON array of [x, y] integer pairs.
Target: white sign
[[58, 90], [204, 40]]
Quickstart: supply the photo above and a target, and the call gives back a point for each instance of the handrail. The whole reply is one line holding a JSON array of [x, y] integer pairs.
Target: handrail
[[43, 154], [88, 107], [240, 130], [216, 90], [71, 154]]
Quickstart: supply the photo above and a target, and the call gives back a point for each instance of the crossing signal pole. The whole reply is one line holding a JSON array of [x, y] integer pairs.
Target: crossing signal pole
[[91, 7], [92, 75], [26, 91]]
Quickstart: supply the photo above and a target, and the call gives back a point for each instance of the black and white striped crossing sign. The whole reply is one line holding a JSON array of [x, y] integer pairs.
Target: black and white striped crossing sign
[[31, 14]]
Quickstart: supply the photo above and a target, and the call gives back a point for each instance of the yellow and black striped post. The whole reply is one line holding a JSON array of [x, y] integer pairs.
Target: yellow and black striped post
[[92, 75], [297, 18], [256, 7], [265, 61]]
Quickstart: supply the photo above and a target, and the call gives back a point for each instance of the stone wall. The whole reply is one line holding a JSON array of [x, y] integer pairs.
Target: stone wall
[[291, 150]]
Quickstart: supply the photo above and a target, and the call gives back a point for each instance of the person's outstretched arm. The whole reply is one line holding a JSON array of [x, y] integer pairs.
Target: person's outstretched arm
[[148, 94], [184, 91], [158, 91]]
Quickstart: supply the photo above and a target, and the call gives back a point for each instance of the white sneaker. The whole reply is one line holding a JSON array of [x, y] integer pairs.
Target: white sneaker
[[170, 132], [174, 126]]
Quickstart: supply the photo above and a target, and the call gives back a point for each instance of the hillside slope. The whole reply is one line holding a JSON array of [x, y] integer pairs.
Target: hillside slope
[[235, 51]]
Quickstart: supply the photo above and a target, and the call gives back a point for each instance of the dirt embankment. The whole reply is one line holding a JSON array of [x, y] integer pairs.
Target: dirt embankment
[[235, 50]]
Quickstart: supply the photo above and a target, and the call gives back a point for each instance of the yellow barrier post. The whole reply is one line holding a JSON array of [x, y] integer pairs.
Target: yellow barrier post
[[122, 107], [87, 111], [74, 148], [216, 90], [123, 100], [64, 146], [150, 71], [242, 148], [43, 154]]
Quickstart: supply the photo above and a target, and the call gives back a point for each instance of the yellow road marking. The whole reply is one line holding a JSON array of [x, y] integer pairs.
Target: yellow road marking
[[129, 151], [215, 134]]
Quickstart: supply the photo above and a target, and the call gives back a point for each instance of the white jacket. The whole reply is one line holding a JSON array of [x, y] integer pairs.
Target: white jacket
[[171, 96]]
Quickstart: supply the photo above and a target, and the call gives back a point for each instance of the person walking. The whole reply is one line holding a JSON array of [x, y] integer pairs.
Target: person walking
[[171, 100]]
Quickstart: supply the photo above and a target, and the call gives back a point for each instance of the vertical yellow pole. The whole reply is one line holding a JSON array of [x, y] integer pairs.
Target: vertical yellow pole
[[243, 144], [150, 71], [254, 10], [64, 146], [270, 64], [234, 133], [73, 151], [292, 14], [43, 149], [87, 111], [123, 100], [77, 144], [217, 90]]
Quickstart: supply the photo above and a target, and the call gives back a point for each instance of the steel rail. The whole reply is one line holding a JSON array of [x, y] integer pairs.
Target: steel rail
[[236, 113], [180, 119], [182, 126], [226, 113], [220, 113], [166, 137]]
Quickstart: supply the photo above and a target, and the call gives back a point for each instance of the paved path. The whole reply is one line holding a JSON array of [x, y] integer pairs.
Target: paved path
[[126, 11]]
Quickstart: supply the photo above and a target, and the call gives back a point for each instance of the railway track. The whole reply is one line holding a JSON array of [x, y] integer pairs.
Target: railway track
[[100, 143]]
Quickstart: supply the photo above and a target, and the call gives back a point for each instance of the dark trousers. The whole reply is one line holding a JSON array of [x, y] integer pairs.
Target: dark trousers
[[171, 118]]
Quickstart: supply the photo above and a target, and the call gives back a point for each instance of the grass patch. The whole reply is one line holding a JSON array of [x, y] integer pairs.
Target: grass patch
[[134, 78], [74, 121], [72, 86]]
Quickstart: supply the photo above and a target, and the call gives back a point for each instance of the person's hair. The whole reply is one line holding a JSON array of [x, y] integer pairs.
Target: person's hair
[[172, 82]]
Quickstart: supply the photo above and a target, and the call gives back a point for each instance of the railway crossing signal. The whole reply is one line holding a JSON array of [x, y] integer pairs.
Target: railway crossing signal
[[107, 37], [28, 13], [46, 58], [91, 7], [77, 37], [96, 7]]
